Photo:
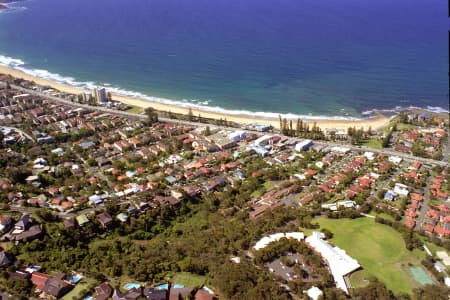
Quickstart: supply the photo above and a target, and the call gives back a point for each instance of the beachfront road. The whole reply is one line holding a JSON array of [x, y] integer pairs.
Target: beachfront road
[[391, 152]]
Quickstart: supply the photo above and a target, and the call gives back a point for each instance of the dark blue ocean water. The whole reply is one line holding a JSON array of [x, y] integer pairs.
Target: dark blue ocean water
[[324, 57]]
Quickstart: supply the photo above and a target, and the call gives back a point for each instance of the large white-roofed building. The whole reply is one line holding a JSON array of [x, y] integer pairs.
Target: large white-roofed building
[[262, 243], [340, 263]]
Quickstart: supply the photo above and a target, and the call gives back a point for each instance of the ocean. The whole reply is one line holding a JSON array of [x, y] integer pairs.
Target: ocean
[[296, 57]]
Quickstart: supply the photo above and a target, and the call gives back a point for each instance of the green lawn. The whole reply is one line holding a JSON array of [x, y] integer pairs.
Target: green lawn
[[189, 280], [84, 286], [267, 186], [402, 126], [379, 249], [372, 143], [135, 109], [382, 215]]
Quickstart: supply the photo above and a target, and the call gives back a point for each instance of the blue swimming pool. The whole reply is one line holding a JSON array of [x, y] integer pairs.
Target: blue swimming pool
[[130, 286], [166, 286]]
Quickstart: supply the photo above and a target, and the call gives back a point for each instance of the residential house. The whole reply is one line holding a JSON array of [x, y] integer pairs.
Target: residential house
[[401, 189], [39, 280], [82, 219], [179, 293], [103, 291], [5, 260], [5, 223], [203, 295], [23, 224], [131, 294], [69, 223], [154, 294], [33, 232], [57, 286], [105, 219]]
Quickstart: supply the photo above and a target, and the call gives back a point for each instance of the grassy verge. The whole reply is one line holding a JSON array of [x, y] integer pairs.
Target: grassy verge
[[189, 280], [135, 109], [372, 143], [81, 289]]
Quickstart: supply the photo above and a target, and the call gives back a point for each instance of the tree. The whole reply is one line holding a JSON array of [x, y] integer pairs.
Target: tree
[[190, 115], [152, 115], [374, 290], [20, 288], [328, 234], [207, 131], [298, 127], [432, 292]]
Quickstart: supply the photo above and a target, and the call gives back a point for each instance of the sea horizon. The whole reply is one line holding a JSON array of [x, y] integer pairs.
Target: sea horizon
[[222, 94]]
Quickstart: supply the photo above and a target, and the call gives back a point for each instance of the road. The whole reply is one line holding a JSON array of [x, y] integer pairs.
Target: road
[[405, 156], [32, 210], [424, 208]]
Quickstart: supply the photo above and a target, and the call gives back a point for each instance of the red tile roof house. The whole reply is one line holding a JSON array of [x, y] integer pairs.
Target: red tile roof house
[[410, 223], [416, 165], [433, 214], [411, 213], [414, 205], [39, 280], [416, 197], [441, 194], [103, 291], [444, 208], [428, 228], [441, 231]]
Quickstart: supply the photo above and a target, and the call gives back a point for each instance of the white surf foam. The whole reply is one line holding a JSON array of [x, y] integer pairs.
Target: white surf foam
[[187, 103]]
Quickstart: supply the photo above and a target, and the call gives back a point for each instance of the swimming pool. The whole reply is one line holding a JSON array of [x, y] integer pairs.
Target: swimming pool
[[166, 286], [420, 275], [130, 286]]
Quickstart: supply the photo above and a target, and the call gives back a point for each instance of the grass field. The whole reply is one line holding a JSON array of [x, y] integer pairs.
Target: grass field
[[382, 215], [372, 143], [189, 280], [135, 109], [402, 126], [268, 185], [379, 249]]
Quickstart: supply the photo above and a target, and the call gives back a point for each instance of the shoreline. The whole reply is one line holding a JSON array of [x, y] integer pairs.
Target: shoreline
[[376, 122]]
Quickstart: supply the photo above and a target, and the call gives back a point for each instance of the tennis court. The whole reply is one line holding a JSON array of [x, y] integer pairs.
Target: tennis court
[[420, 275]]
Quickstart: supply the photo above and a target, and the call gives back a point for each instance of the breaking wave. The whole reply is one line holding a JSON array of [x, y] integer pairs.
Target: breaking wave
[[204, 105]]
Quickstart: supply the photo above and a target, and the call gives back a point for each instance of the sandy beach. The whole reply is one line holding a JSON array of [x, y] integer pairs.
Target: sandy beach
[[375, 123]]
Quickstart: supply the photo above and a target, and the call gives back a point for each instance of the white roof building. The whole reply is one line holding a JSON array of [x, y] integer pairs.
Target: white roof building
[[395, 159], [340, 263], [401, 189], [447, 281], [444, 257], [314, 293], [262, 243], [262, 141], [341, 150], [303, 145], [369, 155]]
